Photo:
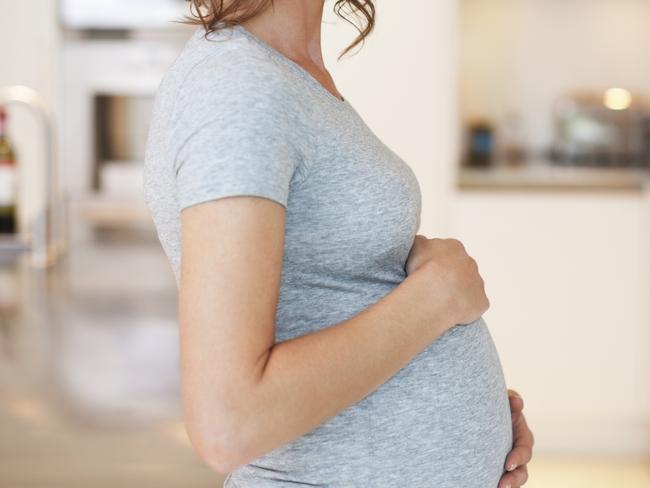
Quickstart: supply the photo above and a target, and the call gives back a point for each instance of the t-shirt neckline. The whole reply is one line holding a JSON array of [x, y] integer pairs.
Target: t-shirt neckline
[[292, 64]]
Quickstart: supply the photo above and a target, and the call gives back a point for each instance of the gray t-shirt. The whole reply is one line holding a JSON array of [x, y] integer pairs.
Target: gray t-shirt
[[237, 117]]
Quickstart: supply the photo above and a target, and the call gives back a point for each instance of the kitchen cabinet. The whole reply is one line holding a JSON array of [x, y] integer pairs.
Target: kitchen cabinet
[[567, 273]]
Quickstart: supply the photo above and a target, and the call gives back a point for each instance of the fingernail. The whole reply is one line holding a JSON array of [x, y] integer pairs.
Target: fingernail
[[512, 467]]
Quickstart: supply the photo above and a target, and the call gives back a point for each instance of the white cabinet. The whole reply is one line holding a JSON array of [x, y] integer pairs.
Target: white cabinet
[[567, 273]]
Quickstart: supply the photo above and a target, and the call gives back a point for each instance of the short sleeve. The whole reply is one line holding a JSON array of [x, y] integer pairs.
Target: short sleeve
[[234, 137]]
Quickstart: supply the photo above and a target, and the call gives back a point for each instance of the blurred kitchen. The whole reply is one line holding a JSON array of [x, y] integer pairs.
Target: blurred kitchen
[[530, 137]]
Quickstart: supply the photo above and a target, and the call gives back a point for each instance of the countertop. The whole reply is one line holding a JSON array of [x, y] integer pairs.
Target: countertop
[[541, 174]]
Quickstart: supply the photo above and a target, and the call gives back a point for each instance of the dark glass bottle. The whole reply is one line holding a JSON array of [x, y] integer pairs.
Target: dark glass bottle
[[8, 180], [480, 143]]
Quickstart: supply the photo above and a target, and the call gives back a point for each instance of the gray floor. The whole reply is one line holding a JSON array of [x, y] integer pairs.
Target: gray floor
[[89, 384]]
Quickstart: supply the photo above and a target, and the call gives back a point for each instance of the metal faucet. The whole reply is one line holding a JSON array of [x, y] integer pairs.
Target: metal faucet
[[45, 236]]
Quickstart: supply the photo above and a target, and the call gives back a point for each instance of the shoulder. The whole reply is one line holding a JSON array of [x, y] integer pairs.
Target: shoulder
[[227, 84], [231, 69], [235, 82]]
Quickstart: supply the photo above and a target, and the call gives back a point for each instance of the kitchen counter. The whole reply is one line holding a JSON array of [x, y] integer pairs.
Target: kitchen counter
[[540, 174]]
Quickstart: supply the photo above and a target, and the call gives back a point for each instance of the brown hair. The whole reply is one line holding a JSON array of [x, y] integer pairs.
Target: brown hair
[[212, 14]]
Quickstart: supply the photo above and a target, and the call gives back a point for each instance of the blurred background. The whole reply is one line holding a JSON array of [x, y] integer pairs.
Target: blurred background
[[528, 129]]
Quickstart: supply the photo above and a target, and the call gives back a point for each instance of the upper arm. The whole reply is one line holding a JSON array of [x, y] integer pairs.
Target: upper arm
[[235, 157], [230, 273]]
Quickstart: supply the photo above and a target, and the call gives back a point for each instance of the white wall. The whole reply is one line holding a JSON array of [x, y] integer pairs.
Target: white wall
[[520, 54], [402, 83]]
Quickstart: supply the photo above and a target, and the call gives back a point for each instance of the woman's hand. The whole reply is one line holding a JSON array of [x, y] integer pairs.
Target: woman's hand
[[452, 273], [522, 451]]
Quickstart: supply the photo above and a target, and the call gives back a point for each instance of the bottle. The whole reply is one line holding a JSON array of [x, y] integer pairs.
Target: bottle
[[480, 142], [8, 180]]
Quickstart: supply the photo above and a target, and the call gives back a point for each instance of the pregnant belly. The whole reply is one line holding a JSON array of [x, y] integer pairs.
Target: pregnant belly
[[442, 421]]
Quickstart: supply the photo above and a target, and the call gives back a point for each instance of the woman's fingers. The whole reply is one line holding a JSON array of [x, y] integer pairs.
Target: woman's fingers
[[519, 456], [516, 402], [523, 440], [522, 452], [515, 478]]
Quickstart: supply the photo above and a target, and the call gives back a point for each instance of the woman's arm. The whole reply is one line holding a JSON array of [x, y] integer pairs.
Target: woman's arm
[[243, 395]]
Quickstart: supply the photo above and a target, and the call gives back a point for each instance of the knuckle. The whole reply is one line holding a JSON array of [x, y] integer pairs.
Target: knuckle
[[507, 480], [528, 455], [455, 243], [523, 476], [433, 243]]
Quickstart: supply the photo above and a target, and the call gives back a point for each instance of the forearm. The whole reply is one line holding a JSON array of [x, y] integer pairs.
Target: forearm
[[308, 379]]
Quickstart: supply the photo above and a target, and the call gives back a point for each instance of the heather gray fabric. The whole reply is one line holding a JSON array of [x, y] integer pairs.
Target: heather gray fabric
[[236, 117]]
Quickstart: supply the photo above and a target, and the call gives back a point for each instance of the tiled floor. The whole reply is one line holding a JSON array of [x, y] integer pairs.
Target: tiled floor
[[89, 377]]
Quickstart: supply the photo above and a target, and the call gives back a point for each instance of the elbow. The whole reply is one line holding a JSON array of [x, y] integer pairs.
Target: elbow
[[224, 427], [222, 446], [221, 459]]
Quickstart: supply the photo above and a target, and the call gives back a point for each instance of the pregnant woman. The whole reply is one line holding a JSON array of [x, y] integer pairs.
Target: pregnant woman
[[323, 342]]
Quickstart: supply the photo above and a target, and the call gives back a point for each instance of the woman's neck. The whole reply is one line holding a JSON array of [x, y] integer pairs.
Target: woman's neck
[[293, 27]]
